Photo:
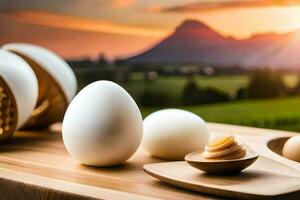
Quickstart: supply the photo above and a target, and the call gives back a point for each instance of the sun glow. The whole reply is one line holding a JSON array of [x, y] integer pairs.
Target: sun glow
[[243, 22]]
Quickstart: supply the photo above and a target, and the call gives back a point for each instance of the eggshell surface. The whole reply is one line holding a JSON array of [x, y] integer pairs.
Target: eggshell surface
[[103, 125], [291, 148], [173, 133], [22, 82], [52, 63]]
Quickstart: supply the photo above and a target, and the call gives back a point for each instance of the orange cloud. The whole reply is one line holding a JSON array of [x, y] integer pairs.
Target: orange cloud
[[155, 9], [79, 23], [122, 3], [223, 4], [74, 44]]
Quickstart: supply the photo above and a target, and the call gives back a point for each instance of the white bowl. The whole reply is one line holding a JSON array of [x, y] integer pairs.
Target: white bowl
[[18, 80]]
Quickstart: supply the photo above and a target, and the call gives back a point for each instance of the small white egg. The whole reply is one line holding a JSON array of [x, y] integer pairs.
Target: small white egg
[[103, 125], [18, 93], [173, 133], [291, 148], [57, 82]]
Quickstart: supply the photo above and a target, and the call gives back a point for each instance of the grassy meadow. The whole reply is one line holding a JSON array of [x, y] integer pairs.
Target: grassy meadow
[[174, 85], [279, 113]]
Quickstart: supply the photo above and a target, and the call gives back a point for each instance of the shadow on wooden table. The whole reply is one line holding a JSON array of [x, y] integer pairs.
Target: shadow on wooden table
[[35, 138]]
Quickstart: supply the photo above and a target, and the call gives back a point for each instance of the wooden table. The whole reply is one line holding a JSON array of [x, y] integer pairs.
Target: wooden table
[[35, 165]]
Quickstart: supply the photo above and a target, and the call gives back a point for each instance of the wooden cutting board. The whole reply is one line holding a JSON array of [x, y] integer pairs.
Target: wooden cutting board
[[253, 183], [35, 165]]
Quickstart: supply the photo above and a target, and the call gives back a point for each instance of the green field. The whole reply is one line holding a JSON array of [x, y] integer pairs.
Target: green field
[[173, 86], [281, 113]]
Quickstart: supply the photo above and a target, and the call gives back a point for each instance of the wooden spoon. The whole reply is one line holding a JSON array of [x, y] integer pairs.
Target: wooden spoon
[[220, 166]]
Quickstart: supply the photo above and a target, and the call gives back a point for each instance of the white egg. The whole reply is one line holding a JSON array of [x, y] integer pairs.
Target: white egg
[[173, 133], [103, 125], [19, 92], [57, 82], [291, 148]]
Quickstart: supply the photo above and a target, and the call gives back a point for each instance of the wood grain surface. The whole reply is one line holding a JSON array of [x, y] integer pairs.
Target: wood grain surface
[[35, 165], [253, 183]]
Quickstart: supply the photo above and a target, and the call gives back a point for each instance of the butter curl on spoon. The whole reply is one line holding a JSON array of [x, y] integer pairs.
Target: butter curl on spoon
[[223, 155], [224, 148]]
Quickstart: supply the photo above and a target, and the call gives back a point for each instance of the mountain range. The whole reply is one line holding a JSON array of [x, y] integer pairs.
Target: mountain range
[[194, 42]]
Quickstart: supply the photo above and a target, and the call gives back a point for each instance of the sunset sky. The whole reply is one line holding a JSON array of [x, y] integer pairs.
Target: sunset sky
[[118, 28]]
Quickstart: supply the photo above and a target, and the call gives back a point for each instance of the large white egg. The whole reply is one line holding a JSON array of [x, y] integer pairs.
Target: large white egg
[[173, 133], [103, 125], [18, 92], [56, 80], [291, 148]]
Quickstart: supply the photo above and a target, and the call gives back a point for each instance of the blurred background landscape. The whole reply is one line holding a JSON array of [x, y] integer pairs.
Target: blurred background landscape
[[229, 61]]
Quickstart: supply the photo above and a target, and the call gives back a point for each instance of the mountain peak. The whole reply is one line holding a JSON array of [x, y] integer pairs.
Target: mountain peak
[[192, 28], [196, 43], [191, 24]]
